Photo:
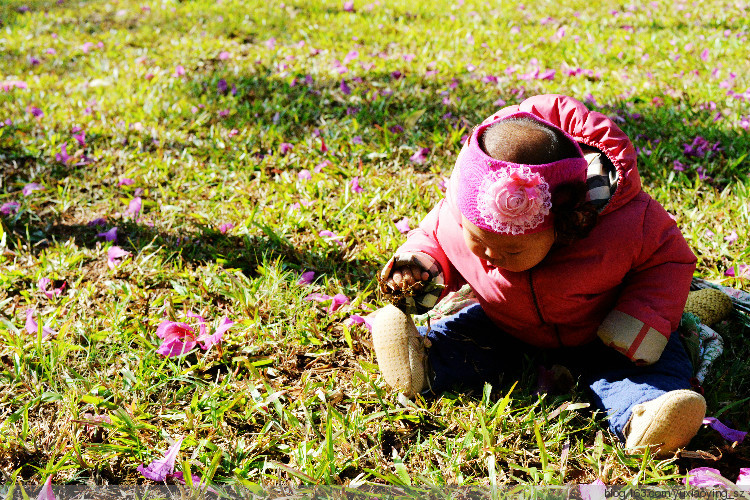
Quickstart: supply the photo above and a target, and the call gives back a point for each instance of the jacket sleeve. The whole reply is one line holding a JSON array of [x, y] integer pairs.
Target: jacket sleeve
[[423, 239], [654, 293]]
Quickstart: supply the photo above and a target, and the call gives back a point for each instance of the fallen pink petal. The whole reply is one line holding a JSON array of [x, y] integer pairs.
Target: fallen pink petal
[[115, 256], [125, 182], [226, 227], [159, 469], [306, 278], [403, 225], [32, 327], [63, 156], [338, 300], [9, 208], [320, 166], [31, 187], [110, 235], [732, 237], [744, 478], [46, 492], [44, 283], [134, 208], [706, 477], [743, 271], [420, 156], [332, 236], [593, 491], [355, 185], [179, 338], [304, 175], [216, 337], [726, 432], [285, 148]]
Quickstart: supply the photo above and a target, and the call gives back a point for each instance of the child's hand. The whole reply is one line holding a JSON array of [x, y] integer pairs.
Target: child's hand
[[407, 278]]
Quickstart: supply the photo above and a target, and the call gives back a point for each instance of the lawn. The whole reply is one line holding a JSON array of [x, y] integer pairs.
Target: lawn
[[246, 168]]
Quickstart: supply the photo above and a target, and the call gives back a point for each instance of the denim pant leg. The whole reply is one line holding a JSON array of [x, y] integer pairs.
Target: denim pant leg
[[468, 349], [623, 385]]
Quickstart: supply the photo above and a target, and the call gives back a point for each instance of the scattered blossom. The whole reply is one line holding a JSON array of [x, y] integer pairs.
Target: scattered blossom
[[732, 237], [134, 207], [159, 469], [356, 188], [304, 175], [32, 327], [115, 256], [420, 156], [31, 187], [742, 271], [403, 225], [225, 227], [44, 283], [9, 208], [706, 477], [332, 236], [110, 235], [726, 432], [306, 278], [285, 148], [337, 300]]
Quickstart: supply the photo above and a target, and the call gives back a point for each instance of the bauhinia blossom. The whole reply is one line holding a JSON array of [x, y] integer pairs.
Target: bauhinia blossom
[[337, 300], [43, 283], [180, 338], [159, 469], [31, 187], [115, 256], [32, 327]]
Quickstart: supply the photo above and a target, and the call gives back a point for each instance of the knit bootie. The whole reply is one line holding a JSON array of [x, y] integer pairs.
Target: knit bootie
[[400, 351], [667, 422], [709, 304]]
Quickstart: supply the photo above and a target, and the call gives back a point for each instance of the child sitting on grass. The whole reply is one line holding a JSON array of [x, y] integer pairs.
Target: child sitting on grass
[[545, 219]]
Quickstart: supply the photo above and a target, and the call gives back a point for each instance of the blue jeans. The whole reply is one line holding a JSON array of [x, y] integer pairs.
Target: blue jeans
[[468, 349]]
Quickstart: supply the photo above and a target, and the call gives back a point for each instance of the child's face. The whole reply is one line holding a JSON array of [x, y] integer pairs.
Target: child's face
[[511, 252]]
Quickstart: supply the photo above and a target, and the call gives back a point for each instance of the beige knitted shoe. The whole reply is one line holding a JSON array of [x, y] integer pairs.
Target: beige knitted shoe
[[667, 422], [399, 349], [709, 304]]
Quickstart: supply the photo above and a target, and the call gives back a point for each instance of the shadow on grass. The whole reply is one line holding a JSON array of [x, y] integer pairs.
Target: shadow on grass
[[206, 245]]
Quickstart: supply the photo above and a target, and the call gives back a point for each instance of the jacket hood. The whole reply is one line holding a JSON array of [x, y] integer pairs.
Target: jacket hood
[[590, 128]]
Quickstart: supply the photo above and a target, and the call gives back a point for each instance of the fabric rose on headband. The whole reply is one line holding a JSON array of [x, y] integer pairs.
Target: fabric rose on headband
[[513, 200]]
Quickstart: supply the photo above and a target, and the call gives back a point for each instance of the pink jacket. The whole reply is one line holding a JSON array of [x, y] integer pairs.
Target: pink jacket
[[627, 282]]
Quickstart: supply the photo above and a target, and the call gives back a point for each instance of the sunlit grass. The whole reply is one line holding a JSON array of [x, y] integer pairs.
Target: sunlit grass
[[293, 394]]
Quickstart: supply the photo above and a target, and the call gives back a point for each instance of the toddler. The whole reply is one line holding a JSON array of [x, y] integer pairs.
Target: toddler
[[545, 219]]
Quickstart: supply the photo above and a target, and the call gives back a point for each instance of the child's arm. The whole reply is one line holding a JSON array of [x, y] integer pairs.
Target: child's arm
[[420, 255], [654, 292]]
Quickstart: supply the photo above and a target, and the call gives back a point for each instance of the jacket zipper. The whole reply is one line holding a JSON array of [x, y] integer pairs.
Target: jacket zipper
[[538, 310]]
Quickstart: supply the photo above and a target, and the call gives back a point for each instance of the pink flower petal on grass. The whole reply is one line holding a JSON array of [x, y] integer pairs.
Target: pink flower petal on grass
[[744, 477], [10, 208], [43, 283], [32, 327], [179, 338], [125, 182], [306, 278], [115, 255], [31, 187], [403, 225], [285, 148], [304, 175], [743, 271], [225, 227], [732, 237], [110, 235], [706, 476], [332, 236], [726, 432], [356, 319], [338, 300], [593, 491], [355, 185], [134, 207], [420, 156], [215, 338], [46, 492], [159, 469]]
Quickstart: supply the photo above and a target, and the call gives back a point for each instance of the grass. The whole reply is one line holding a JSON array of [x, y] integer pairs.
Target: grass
[[292, 394]]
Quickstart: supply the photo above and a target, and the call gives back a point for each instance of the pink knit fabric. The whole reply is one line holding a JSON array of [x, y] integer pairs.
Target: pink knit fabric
[[510, 198]]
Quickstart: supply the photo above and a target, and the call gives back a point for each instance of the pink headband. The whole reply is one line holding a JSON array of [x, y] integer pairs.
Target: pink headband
[[510, 198]]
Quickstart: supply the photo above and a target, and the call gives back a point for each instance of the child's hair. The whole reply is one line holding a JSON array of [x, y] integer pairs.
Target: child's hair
[[529, 142]]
